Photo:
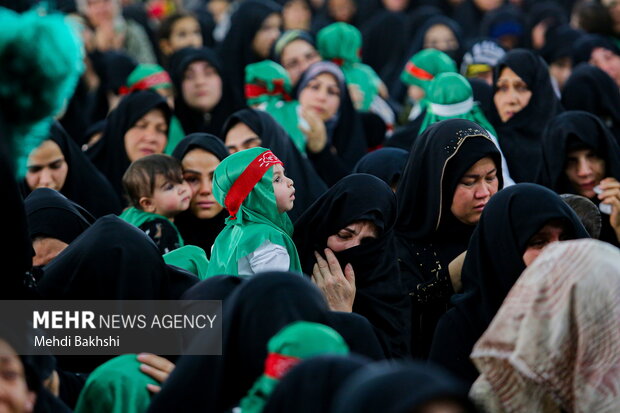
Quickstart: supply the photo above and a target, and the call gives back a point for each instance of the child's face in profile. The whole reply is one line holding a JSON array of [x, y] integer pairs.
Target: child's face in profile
[[283, 189], [169, 198]]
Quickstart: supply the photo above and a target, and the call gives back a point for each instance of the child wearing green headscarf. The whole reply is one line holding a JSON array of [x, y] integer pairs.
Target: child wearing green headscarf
[[289, 347], [268, 88], [420, 70], [252, 186], [154, 77], [450, 96]]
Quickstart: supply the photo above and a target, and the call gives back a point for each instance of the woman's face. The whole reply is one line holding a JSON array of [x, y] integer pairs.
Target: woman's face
[[149, 135], [15, 397], [201, 86], [341, 10], [440, 37], [512, 94], [198, 167], [241, 137], [296, 15], [185, 33], [395, 5], [552, 231], [321, 96], [474, 190], [352, 235], [47, 167], [584, 170], [267, 35], [487, 5], [297, 56]]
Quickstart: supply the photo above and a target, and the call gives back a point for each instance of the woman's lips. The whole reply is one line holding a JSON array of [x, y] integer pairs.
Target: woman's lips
[[206, 204], [479, 207]]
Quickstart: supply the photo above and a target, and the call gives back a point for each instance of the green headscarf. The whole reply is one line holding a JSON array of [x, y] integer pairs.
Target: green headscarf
[[450, 96], [268, 85], [242, 183], [152, 77], [116, 386], [342, 44], [136, 217], [294, 343], [191, 258], [424, 66]]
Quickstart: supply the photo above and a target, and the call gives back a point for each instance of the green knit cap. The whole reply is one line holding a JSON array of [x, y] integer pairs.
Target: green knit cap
[[148, 76], [116, 386], [294, 343], [340, 42], [450, 96], [191, 258], [424, 66], [266, 81]]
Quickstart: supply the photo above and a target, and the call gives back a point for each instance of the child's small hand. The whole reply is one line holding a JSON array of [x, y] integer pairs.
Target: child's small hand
[[338, 287]]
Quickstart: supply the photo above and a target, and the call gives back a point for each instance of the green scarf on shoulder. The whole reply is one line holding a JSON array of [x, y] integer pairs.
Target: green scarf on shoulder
[[116, 386], [450, 96], [242, 183], [136, 217], [191, 258], [342, 44], [290, 346]]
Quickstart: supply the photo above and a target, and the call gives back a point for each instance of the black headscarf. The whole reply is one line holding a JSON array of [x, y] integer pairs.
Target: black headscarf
[[505, 20], [84, 185], [399, 388], [520, 137], [50, 214], [347, 136], [589, 131], [109, 154], [308, 185], [358, 333], [236, 48], [379, 296], [386, 164], [311, 386], [437, 162], [196, 231], [559, 43], [255, 311], [585, 45], [112, 260], [590, 89], [548, 12], [493, 264], [192, 120]]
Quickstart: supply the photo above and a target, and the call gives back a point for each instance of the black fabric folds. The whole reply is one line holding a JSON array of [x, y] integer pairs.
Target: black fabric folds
[[84, 185], [308, 185], [590, 89], [380, 296], [312, 385], [386, 164], [493, 264], [256, 311], [192, 120], [520, 137], [52, 215], [196, 231], [109, 154]]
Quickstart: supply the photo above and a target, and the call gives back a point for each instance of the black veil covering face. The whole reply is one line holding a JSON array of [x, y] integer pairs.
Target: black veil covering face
[[109, 154], [380, 296], [400, 388], [308, 185], [236, 49], [520, 136], [191, 119], [196, 231], [84, 185], [493, 263], [589, 132], [590, 89], [256, 310], [428, 235], [311, 386], [52, 215]]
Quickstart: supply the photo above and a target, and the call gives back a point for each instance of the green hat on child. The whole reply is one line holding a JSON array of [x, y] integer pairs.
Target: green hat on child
[[423, 66], [340, 43], [266, 81], [146, 76], [290, 346]]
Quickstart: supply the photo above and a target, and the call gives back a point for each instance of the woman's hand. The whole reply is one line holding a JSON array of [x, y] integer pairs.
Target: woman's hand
[[157, 367], [317, 134], [611, 196], [338, 287]]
